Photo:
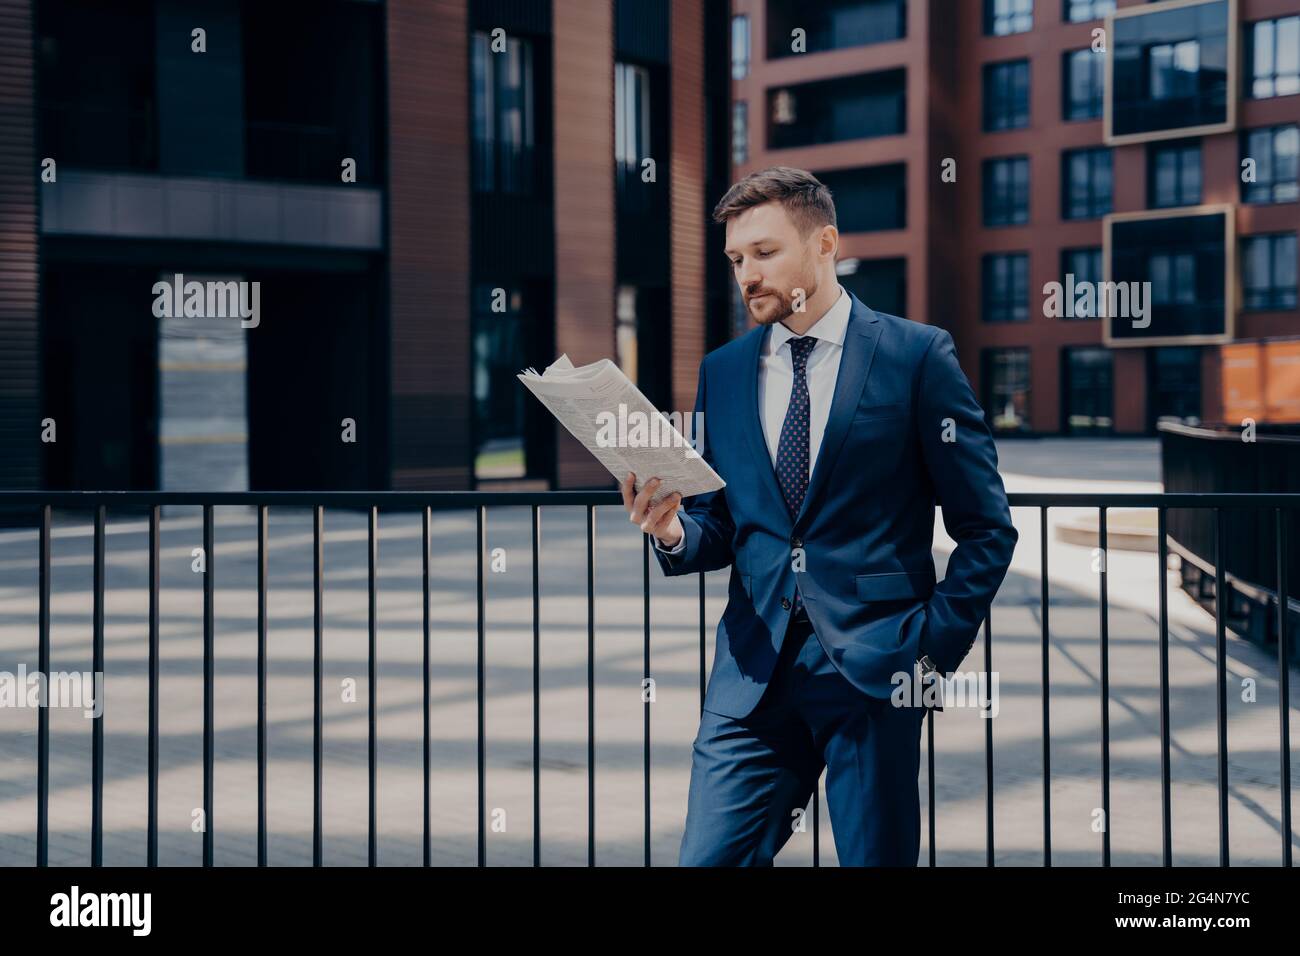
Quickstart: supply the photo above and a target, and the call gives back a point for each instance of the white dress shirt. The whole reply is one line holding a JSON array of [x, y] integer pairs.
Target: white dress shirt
[[776, 380]]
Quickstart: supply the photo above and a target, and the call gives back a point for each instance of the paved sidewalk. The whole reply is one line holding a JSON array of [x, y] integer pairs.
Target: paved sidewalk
[[619, 754]]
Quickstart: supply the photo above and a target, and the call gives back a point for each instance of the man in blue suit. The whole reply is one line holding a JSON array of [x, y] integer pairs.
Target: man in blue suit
[[837, 430]]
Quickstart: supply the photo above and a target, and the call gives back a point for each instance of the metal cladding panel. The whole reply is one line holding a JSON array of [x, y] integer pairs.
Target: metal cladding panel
[[20, 465]]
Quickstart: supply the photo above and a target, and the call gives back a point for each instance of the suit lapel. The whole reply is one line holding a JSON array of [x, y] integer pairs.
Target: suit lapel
[[855, 364]]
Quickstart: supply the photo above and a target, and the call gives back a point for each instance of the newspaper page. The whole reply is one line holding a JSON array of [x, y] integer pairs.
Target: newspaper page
[[601, 408]]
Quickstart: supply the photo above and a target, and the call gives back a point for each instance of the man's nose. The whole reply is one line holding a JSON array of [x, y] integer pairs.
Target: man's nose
[[750, 280]]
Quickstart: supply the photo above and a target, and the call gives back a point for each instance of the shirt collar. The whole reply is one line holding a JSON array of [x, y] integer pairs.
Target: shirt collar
[[831, 327]]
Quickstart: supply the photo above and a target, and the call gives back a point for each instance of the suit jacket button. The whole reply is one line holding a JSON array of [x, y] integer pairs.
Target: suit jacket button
[[796, 542], [785, 603]]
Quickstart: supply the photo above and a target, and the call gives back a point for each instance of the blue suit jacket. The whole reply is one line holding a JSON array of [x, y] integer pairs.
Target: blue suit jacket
[[904, 433]]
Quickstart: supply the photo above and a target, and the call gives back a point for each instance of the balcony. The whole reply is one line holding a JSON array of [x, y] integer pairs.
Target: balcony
[[1171, 70]]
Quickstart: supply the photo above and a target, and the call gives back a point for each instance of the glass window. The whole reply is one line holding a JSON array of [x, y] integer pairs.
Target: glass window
[[1080, 266], [838, 109], [881, 284], [631, 138], [1077, 11], [625, 329], [1083, 78], [1174, 174], [869, 199], [1274, 151], [832, 24], [631, 114], [1272, 58], [1005, 379], [1089, 390], [1085, 183], [502, 110], [1173, 278], [739, 315], [499, 411], [739, 47], [295, 110], [739, 132], [1173, 69], [1006, 191], [1002, 17], [1006, 95], [1268, 271], [97, 77], [1173, 384], [1005, 287]]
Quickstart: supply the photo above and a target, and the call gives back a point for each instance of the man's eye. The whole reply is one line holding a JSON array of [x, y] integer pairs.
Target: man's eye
[[765, 253]]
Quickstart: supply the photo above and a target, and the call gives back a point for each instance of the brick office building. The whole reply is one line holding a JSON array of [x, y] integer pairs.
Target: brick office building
[[883, 92]]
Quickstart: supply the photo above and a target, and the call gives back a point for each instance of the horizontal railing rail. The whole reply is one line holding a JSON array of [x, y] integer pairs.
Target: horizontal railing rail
[[43, 502], [444, 500]]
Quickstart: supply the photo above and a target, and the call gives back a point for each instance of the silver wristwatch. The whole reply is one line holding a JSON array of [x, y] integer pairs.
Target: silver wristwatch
[[927, 666]]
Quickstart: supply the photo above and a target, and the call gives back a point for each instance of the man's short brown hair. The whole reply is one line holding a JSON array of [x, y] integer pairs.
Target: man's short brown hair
[[807, 200]]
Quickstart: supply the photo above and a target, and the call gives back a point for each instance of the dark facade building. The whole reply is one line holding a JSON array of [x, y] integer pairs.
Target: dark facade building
[[421, 196], [980, 151], [428, 195]]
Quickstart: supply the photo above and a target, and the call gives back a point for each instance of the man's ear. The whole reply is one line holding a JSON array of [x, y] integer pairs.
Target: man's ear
[[830, 241]]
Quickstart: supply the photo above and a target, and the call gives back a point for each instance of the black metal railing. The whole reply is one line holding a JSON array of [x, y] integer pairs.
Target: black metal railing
[[1281, 506], [1203, 458]]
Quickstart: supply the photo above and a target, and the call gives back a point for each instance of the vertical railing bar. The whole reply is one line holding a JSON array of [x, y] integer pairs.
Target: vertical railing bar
[[262, 519], [1166, 815], [988, 742], [372, 685], [426, 538], [537, 688], [929, 785], [155, 653], [43, 712], [703, 647], [318, 654], [817, 836], [97, 728], [209, 678], [591, 685], [1047, 731], [1105, 686], [1284, 682], [481, 516], [645, 681], [1221, 689]]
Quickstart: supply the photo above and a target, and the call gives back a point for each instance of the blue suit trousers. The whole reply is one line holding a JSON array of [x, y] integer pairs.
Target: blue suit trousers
[[752, 778]]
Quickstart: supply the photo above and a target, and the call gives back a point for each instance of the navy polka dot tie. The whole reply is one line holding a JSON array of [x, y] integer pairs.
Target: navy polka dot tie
[[792, 449]]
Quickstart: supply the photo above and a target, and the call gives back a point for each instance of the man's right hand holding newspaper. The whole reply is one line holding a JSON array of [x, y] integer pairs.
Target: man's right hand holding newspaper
[[660, 520]]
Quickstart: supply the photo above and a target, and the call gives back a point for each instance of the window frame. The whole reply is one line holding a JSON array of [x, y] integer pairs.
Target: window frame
[[1097, 79], [1094, 208], [1272, 239], [999, 87], [1005, 308], [1013, 163]]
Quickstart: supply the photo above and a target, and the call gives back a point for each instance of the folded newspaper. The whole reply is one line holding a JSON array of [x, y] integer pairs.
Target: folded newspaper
[[601, 408]]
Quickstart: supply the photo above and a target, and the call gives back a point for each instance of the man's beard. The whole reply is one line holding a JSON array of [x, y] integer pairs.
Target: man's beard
[[784, 303]]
